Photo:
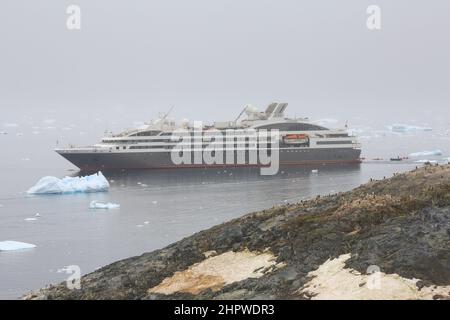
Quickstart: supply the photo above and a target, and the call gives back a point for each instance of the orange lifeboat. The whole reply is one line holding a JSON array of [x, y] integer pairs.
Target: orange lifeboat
[[296, 139]]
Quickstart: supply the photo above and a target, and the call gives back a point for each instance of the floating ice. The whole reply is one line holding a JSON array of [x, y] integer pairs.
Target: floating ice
[[15, 245], [3, 132], [426, 153], [98, 205], [315, 171], [426, 161], [11, 125], [404, 128], [30, 219], [52, 185]]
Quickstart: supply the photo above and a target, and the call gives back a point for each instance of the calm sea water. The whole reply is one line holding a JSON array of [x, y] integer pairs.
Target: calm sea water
[[157, 207]]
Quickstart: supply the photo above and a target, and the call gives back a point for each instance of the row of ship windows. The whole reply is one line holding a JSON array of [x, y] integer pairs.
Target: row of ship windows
[[235, 145], [199, 138]]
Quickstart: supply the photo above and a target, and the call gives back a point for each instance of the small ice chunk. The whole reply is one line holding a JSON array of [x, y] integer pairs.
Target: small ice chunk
[[3, 132], [426, 153], [98, 205], [155, 202], [146, 222], [37, 215], [140, 225], [15, 245], [314, 171], [52, 185], [11, 125], [30, 219]]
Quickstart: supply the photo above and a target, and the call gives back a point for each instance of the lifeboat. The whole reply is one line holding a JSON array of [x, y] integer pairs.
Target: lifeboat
[[296, 139]]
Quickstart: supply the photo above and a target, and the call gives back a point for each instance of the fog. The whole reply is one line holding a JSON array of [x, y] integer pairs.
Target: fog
[[209, 58]]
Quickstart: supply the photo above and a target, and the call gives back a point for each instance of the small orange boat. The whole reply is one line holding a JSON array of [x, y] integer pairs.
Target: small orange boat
[[296, 139]]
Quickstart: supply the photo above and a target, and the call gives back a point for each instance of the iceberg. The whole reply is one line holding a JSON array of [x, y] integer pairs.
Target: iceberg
[[15, 245], [426, 153], [98, 205], [52, 185], [404, 128]]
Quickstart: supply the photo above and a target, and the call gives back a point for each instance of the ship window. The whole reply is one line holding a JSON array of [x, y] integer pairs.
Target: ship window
[[292, 127], [117, 148], [333, 142], [146, 133]]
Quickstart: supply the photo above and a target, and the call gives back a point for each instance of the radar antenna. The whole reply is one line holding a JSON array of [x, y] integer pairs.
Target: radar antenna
[[167, 113]]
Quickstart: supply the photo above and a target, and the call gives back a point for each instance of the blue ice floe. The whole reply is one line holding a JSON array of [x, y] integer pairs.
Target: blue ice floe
[[52, 185], [15, 245], [426, 153], [404, 128], [98, 205]]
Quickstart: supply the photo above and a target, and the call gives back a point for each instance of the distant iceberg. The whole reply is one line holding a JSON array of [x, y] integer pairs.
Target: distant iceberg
[[52, 185], [98, 205], [404, 128], [15, 245], [426, 153]]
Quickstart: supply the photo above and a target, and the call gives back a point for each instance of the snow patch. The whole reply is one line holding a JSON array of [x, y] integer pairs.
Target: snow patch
[[98, 205], [333, 281], [15, 245], [215, 272], [52, 185]]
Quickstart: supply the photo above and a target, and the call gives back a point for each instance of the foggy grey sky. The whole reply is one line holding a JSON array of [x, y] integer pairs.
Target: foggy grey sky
[[210, 57]]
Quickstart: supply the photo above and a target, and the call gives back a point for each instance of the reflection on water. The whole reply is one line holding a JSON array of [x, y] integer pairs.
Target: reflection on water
[[157, 207]]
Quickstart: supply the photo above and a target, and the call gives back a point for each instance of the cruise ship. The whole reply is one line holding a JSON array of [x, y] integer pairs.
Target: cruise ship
[[236, 143]]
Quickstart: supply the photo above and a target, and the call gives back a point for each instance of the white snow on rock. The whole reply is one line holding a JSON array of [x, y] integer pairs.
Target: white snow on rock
[[15, 245], [98, 205], [52, 185], [426, 153]]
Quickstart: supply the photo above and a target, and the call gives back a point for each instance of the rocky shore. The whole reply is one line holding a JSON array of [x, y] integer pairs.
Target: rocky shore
[[387, 239]]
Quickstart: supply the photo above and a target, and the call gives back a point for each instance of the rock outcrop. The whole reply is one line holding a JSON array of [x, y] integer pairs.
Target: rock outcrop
[[386, 239]]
